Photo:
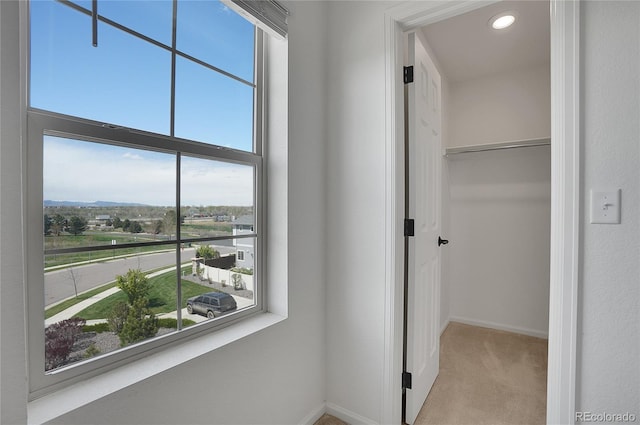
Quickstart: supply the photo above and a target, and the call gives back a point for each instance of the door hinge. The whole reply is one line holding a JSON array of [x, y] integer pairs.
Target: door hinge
[[409, 227], [408, 74], [406, 380]]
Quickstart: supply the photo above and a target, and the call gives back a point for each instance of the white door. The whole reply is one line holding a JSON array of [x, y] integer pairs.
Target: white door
[[423, 191]]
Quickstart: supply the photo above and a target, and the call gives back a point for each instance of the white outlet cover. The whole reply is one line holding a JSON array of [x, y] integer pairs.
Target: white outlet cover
[[605, 206]]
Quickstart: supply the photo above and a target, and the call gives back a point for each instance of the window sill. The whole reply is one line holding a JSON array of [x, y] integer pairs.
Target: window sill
[[82, 393]]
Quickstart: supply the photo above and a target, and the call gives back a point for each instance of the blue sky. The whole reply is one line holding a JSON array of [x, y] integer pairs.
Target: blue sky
[[126, 81]]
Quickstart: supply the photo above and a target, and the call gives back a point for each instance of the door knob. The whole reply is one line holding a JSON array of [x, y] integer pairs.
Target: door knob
[[442, 241]]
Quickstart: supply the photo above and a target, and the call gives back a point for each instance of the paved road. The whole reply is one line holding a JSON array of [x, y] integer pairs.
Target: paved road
[[58, 285]]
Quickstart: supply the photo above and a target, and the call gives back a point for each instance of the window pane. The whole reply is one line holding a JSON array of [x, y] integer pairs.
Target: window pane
[[213, 194], [216, 269], [123, 81], [213, 108], [97, 194], [87, 4], [84, 301], [213, 33], [153, 18]]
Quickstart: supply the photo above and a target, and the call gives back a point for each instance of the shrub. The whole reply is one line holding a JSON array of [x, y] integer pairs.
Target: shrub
[[135, 284], [243, 270], [140, 324], [97, 328], [59, 340], [91, 351], [118, 316], [237, 281], [206, 252], [173, 323]]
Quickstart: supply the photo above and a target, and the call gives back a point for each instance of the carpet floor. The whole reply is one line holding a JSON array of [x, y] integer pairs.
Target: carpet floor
[[487, 377]]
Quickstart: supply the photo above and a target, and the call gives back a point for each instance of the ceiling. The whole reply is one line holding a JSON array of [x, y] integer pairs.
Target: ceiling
[[466, 47]]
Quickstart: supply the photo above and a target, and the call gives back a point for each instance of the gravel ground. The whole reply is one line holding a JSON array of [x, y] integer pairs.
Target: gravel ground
[[104, 341]]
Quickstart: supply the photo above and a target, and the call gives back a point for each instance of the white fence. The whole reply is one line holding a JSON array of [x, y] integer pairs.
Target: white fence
[[225, 277]]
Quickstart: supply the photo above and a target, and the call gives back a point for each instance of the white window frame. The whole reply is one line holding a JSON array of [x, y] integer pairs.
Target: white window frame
[[47, 391]]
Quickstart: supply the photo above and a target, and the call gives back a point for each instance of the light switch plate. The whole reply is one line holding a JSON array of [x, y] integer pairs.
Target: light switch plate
[[605, 206]]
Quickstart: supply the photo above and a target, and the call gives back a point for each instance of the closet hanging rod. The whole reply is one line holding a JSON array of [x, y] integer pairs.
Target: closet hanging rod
[[499, 146]]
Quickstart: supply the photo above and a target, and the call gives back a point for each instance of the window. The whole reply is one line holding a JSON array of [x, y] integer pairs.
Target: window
[[145, 145]]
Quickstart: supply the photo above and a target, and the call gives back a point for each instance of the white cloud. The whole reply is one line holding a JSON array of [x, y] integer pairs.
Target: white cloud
[[129, 155], [81, 171]]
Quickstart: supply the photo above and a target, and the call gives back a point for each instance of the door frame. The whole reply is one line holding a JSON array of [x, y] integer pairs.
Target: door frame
[[565, 197]]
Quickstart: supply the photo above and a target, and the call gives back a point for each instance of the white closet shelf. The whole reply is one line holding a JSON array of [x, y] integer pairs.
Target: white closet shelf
[[498, 146]]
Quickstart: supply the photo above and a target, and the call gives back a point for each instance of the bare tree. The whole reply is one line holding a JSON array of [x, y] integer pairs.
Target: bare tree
[[74, 279]]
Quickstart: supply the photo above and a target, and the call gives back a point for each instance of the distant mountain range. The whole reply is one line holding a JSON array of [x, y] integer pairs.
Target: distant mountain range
[[49, 203]]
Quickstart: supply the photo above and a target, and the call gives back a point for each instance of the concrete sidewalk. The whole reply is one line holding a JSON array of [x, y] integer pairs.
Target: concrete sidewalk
[[77, 308]]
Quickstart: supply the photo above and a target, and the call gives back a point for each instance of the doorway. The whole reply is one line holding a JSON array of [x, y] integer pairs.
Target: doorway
[[565, 213], [495, 131]]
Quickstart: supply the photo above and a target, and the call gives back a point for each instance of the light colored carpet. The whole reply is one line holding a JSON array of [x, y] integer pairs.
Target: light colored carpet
[[488, 377]]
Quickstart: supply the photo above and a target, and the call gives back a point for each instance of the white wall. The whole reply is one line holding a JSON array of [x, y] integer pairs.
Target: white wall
[[609, 315], [13, 388], [281, 371], [356, 207], [500, 205], [502, 284], [503, 107], [275, 376]]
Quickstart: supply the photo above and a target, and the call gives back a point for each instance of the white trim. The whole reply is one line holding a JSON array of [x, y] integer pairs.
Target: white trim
[[347, 415], [391, 409], [565, 182], [565, 210], [314, 415], [500, 327], [51, 406], [443, 327]]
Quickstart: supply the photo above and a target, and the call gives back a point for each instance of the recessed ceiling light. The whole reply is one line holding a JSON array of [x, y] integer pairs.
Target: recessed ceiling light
[[502, 21]]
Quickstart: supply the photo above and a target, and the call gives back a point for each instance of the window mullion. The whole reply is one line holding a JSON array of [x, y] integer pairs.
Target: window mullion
[[172, 125], [94, 22], [178, 244]]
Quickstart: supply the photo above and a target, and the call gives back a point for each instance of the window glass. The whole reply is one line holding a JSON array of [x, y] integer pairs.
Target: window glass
[[122, 262], [213, 33], [213, 108], [221, 271], [213, 194], [124, 81], [153, 18], [106, 193], [98, 195], [84, 3]]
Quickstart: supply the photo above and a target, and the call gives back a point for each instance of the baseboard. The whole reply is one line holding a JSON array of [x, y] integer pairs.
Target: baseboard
[[444, 327], [500, 327], [315, 414], [348, 416]]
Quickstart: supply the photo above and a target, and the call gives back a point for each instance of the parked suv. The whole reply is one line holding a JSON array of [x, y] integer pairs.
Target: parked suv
[[211, 304]]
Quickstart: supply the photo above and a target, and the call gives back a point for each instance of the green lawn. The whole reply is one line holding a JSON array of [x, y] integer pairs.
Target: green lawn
[[73, 301], [206, 228], [162, 297], [96, 239]]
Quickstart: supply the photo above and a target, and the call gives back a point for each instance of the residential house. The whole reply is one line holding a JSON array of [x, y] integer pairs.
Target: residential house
[[244, 225]]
